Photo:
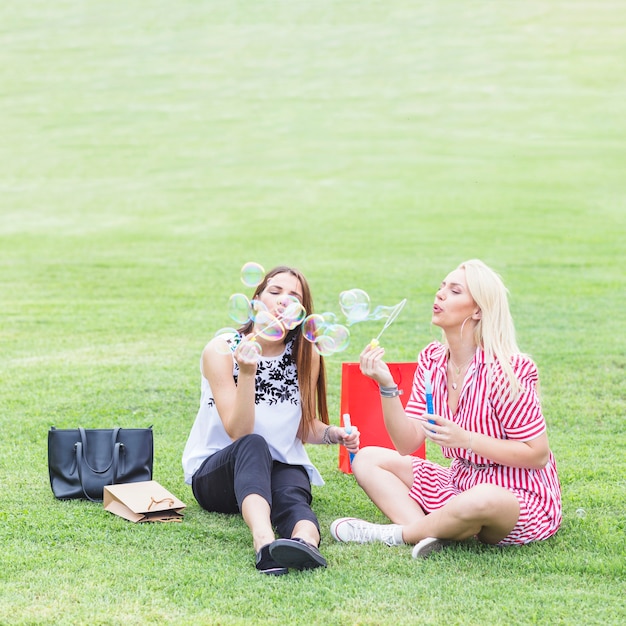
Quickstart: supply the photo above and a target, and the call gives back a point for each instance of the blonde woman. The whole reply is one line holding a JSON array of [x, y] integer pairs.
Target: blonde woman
[[502, 485]]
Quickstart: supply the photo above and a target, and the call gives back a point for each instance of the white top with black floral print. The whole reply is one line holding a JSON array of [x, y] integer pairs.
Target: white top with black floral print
[[277, 418]]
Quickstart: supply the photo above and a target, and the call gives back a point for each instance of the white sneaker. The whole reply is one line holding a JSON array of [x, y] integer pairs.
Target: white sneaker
[[359, 531], [426, 547]]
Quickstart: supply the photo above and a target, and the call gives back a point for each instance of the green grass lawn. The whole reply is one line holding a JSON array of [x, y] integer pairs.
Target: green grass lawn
[[149, 149]]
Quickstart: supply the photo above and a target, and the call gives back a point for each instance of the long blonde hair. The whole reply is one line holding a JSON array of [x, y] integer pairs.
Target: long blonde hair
[[495, 331], [303, 353]]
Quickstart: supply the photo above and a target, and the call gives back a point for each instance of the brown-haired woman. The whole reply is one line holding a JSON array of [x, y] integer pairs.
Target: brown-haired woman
[[245, 453]]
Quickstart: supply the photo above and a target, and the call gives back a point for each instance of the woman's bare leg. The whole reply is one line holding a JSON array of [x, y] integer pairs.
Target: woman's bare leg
[[306, 530], [488, 511], [386, 478], [256, 513]]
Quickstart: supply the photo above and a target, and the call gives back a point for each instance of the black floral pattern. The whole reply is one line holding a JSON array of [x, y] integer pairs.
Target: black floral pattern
[[276, 379]]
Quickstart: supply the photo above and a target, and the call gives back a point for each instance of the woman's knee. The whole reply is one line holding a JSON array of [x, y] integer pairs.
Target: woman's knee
[[252, 463], [485, 502], [253, 444], [364, 461], [370, 458]]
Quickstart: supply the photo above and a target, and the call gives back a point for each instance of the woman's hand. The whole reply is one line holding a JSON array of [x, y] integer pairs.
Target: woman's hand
[[533, 454], [350, 441], [373, 366], [247, 355], [443, 432]]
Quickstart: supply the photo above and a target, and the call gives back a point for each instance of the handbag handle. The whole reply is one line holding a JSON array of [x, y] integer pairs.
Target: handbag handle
[[80, 448], [83, 440]]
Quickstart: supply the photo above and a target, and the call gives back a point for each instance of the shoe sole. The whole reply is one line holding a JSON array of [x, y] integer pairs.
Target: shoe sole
[[427, 549], [295, 555], [274, 571]]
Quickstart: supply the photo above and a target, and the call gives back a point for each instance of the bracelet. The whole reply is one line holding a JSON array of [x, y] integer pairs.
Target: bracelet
[[390, 392], [326, 438], [469, 446]]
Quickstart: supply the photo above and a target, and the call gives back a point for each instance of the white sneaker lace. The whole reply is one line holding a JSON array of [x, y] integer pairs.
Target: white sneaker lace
[[366, 532]]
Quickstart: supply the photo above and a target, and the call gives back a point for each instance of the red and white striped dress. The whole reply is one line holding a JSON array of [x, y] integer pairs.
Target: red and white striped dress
[[482, 409]]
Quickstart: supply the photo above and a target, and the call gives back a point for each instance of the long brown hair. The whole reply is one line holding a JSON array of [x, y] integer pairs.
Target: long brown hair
[[303, 352]]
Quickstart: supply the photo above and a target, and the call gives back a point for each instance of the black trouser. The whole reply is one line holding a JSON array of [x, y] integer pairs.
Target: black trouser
[[245, 467]]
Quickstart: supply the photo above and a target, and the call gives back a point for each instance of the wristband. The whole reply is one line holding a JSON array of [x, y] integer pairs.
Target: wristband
[[390, 392]]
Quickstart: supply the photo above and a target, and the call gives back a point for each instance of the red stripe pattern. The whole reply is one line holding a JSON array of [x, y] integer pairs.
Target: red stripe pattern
[[485, 407]]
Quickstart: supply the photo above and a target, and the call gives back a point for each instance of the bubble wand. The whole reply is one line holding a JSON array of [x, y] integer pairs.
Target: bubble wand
[[428, 387], [374, 343], [347, 426], [278, 321]]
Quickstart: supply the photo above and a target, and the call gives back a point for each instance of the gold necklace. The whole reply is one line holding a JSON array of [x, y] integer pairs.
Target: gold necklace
[[458, 369]]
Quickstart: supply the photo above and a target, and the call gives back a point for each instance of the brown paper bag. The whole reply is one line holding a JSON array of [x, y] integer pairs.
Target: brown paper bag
[[145, 501]]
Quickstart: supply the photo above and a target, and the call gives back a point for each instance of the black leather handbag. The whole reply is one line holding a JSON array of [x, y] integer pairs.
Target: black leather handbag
[[82, 461]]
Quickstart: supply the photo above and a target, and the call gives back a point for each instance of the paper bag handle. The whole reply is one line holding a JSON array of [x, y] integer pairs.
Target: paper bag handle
[[170, 502]]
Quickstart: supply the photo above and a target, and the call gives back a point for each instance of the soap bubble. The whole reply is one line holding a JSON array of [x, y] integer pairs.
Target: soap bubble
[[293, 314], [239, 308], [287, 319], [581, 513], [256, 308], [231, 339], [313, 326], [384, 312], [326, 336], [339, 335], [390, 312], [335, 338], [325, 346], [252, 274], [269, 327], [250, 349], [355, 305]]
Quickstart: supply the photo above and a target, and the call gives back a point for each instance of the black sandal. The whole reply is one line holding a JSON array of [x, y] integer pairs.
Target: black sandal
[[296, 554], [266, 564]]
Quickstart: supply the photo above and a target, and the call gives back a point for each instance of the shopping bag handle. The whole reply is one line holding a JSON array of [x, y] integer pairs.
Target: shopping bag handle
[[170, 502]]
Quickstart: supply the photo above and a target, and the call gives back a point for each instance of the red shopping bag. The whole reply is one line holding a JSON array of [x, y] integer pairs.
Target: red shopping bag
[[360, 398]]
